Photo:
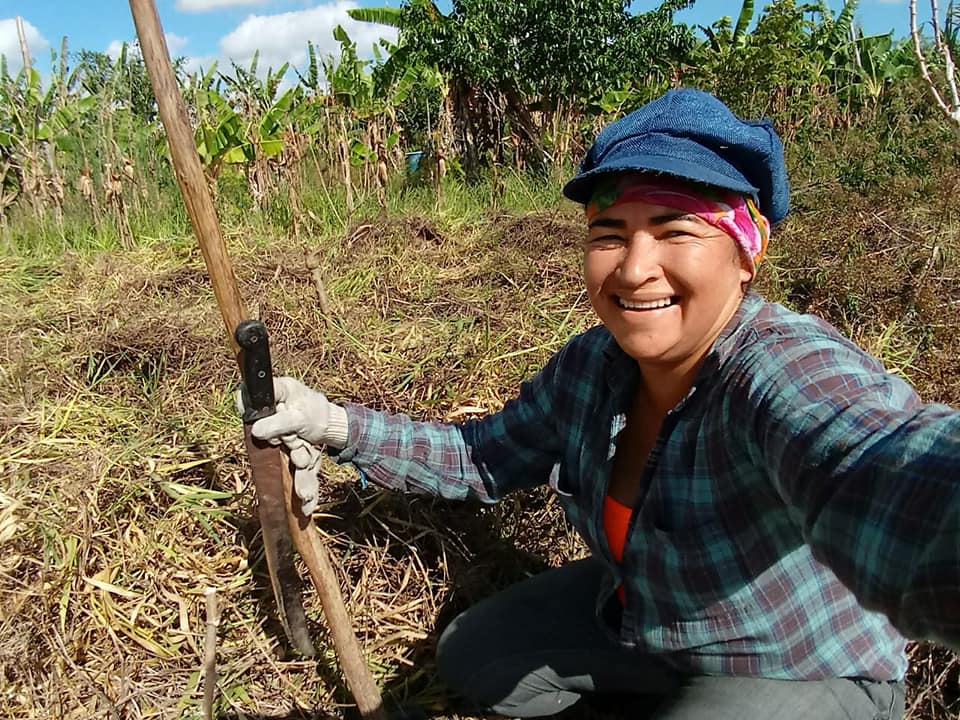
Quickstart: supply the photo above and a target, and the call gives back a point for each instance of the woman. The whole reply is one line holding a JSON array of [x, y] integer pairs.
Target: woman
[[766, 508]]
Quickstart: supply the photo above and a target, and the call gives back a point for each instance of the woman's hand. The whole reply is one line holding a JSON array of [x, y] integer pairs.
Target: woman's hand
[[304, 421]]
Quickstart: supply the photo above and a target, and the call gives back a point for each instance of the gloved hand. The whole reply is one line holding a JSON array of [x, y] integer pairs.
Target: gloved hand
[[304, 421]]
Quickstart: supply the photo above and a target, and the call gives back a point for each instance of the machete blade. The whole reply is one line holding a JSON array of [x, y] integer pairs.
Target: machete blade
[[266, 463]]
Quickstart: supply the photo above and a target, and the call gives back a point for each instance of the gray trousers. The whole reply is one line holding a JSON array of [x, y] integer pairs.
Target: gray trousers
[[535, 649]]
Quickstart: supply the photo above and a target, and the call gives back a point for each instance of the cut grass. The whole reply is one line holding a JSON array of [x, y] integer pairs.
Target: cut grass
[[125, 491]]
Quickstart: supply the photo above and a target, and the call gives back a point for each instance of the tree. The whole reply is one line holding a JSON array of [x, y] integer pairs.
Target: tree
[[122, 79], [947, 100], [510, 66]]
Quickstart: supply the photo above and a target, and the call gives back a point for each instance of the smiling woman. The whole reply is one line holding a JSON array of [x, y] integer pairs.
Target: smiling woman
[[663, 275], [767, 509]]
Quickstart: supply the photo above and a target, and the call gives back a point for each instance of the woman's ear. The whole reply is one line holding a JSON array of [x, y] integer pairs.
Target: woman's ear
[[748, 270]]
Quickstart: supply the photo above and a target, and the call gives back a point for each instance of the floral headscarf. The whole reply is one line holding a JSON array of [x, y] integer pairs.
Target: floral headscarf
[[735, 214]]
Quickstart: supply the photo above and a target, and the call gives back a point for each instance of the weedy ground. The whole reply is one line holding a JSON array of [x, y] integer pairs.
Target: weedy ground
[[124, 485]]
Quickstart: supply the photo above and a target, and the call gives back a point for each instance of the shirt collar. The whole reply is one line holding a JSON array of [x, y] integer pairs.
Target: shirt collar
[[730, 335]]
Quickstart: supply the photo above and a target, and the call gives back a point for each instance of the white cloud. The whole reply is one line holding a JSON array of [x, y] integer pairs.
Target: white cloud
[[10, 44], [114, 48], [198, 6], [283, 37], [175, 43]]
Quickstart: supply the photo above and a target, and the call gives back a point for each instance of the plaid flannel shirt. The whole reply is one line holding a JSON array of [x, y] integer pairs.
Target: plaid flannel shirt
[[796, 499]]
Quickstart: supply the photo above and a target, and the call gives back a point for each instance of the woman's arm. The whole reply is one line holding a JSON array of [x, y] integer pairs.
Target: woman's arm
[[486, 458], [872, 474]]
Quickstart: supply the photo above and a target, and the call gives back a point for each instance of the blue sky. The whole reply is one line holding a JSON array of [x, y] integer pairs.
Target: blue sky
[[204, 30]]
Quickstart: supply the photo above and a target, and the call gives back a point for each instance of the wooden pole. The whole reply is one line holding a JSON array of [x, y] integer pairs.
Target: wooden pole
[[196, 196], [186, 164], [24, 48], [951, 109], [324, 577]]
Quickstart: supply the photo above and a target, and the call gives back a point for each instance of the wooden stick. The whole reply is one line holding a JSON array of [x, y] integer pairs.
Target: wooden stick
[[950, 68], [203, 217], [952, 112], [186, 164], [313, 265], [210, 652], [24, 48], [315, 555]]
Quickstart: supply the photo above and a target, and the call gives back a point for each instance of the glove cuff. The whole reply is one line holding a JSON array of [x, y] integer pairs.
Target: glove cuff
[[337, 427]]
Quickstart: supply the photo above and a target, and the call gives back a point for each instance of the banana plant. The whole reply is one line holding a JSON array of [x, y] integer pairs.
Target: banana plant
[[64, 126], [220, 135], [832, 37], [369, 90], [719, 34], [876, 62], [25, 108], [245, 123], [349, 81], [380, 15]]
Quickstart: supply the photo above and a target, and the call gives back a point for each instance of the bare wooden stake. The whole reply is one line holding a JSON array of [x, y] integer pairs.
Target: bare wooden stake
[[313, 265], [210, 653], [196, 195], [24, 48], [950, 104], [359, 680]]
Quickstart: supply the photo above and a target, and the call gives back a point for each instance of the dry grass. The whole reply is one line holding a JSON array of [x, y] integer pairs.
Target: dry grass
[[125, 492]]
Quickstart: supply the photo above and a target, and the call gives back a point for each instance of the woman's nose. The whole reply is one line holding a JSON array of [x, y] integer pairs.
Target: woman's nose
[[639, 263]]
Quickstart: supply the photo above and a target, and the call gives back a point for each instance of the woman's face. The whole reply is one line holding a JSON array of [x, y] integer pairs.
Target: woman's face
[[664, 282]]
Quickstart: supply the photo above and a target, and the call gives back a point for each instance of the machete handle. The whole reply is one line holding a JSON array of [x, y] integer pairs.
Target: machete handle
[[258, 399]]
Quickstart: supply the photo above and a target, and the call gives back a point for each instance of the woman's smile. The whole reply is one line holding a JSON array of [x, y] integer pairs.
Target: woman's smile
[[647, 305]]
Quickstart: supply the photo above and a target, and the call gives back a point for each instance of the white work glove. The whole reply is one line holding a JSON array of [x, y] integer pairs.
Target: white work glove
[[304, 421]]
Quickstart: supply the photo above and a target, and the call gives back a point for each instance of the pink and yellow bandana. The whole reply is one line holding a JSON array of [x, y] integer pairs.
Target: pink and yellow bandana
[[735, 214]]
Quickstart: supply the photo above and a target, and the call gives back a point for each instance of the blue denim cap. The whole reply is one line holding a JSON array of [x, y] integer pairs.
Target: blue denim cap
[[690, 135]]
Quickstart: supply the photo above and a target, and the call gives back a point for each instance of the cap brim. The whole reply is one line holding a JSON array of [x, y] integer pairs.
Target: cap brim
[[580, 188]]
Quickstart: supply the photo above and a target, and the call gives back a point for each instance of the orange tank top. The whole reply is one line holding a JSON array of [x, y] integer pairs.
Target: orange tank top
[[616, 518]]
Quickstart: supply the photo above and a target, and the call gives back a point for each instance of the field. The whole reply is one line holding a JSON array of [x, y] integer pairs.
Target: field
[[125, 488]]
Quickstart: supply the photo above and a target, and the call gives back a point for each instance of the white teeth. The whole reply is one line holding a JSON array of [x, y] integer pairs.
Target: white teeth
[[652, 305]]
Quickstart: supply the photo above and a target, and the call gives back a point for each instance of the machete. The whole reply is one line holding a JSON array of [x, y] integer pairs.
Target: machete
[[258, 402]]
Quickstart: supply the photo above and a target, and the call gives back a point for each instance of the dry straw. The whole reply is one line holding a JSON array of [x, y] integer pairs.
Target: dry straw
[[124, 491]]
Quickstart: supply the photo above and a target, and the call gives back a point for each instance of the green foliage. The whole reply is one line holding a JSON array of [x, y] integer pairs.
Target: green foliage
[[348, 80], [511, 70], [488, 86], [721, 38], [546, 49], [123, 79], [382, 15], [800, 62], [875, 62]]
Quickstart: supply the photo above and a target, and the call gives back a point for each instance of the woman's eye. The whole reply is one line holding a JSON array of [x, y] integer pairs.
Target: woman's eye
[[604, 239], [678, 232]]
